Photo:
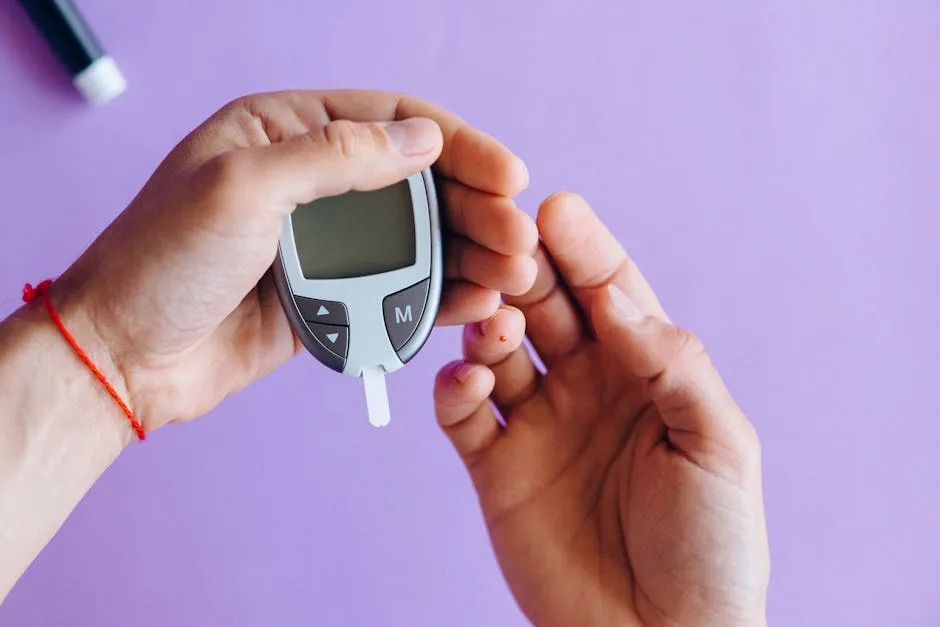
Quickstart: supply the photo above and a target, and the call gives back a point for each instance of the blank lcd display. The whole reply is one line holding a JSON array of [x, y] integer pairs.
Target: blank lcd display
[[356, 234]]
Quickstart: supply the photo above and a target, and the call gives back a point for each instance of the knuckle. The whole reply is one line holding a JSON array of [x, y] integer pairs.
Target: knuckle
[[625, 272], [629, 272], [232, 108], [682, 360], [242, 110], [750, 440], [240, 105], [685, 347], [253, 105], [225, 171], [252, 115], [349, 139], [222, 179]]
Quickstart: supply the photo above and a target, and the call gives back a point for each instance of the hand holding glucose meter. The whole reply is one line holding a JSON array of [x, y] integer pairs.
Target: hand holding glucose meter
[[360, 275]]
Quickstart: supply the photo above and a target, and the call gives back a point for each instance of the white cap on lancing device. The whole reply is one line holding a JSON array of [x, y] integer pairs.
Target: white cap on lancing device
[[101, 81], [94, 73]]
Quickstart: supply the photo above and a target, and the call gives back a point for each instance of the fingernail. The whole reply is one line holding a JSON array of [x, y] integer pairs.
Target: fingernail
[[624, 308], [462, 372], [525, 172], [412, 137]]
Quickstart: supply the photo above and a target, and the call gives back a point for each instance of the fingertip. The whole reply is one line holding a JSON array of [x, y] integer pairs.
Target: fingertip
[[520, 179], [561, 209], [460, 373], [479, 160], [530, 234], [463, 302], [513, 316], [518, 233], [430, 122], [446, 374], [527, 274], [517, 275], [492, 302], [488, 305], [459, 389], [515, 176], [492, 340], [515, 173], [415, 137], [463, 372]]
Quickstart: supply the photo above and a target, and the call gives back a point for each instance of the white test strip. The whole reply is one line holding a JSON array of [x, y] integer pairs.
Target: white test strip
[[376, 396]]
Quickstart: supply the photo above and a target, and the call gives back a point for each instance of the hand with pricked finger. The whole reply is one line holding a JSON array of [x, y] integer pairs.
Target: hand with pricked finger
[[625, 486]]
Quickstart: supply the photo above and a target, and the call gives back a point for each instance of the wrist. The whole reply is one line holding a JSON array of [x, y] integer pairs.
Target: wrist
[[65, 374], [59, 431]]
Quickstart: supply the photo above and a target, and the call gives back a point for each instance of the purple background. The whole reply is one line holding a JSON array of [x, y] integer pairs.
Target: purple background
[[773, 165]]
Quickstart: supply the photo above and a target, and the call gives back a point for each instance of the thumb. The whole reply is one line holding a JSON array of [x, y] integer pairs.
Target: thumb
[[332, 160], [699, 413]]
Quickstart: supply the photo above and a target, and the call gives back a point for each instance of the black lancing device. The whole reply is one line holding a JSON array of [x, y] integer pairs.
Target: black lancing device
[[93, 72]]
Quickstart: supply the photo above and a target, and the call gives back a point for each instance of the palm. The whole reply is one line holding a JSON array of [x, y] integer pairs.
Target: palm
[[598, 512], [611, 510], [552, 496]]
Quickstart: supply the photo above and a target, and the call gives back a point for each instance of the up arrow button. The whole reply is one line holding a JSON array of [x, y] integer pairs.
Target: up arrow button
[[322, 311]]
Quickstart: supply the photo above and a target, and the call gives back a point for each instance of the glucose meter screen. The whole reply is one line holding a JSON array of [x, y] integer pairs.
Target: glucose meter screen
[[356, 234]]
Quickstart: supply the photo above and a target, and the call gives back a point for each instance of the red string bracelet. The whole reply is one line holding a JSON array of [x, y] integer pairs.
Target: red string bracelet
[[30, 294]]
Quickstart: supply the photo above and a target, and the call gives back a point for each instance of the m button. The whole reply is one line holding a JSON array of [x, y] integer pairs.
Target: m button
[[403, 311]]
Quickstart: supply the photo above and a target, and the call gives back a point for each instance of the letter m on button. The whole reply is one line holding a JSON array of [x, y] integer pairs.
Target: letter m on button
[[402, 316]]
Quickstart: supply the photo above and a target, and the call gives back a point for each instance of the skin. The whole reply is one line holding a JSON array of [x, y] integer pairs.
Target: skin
[[197, 317], [625, 486], [174, 301]]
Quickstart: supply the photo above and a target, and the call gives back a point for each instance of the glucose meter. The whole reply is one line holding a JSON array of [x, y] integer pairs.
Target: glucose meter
[[359, 276]]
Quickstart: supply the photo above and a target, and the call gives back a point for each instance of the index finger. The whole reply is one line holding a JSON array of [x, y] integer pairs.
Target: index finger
[[470, 156], [588, 256]]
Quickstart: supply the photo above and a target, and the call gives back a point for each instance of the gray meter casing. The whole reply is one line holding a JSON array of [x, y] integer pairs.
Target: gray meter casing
[[373, 320]]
